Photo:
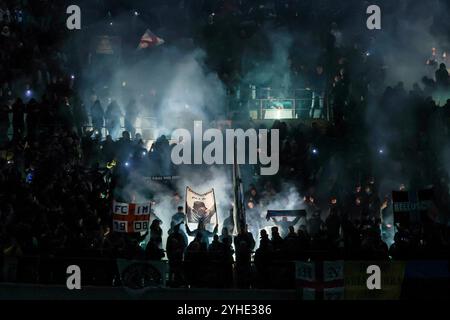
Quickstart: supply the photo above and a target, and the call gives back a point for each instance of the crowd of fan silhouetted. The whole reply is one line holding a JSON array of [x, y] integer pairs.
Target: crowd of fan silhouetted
[[62, 164]]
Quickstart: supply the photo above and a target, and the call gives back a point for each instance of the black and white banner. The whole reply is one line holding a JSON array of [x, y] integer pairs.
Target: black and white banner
[[201, 207]]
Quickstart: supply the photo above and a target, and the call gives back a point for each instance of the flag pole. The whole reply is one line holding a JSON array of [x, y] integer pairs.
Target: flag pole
[[185, 207], [215, 207], [238, 209], [235, 200]]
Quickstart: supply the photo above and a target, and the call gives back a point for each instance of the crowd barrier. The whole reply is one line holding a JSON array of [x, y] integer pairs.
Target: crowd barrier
[[306, 280]]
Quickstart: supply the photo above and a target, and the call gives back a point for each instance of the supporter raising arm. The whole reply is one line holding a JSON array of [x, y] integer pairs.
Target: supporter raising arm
[[202, 232]]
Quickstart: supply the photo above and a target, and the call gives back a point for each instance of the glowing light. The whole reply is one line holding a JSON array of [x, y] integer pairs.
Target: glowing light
[[111, 164], [315, 151], [278, 115], [127, 164], [124, 84], [144, 153], [28, 93], [136, 13], [72, 76], [380, 151]]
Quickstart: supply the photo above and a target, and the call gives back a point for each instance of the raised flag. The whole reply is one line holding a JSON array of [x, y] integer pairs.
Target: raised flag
[[149, 39], [131, 217], [201, 207]]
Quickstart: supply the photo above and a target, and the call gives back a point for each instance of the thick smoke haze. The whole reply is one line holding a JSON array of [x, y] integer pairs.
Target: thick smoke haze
[[200, 180], [183, 88], [272, 63], [407, 38], [186, 90]]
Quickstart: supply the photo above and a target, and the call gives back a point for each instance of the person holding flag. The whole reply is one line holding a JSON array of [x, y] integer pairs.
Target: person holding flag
[[178, 219], [284, 223], [202, 233]]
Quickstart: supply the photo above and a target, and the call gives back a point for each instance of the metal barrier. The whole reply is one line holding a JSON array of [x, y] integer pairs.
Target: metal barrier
[[278, 104], [417, 279], [144, 125], [104, 271]]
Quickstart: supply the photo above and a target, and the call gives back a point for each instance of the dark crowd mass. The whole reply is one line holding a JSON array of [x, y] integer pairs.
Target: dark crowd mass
[[67, 152]]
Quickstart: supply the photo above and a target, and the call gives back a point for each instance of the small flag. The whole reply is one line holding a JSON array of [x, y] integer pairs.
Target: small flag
[[149, 39]]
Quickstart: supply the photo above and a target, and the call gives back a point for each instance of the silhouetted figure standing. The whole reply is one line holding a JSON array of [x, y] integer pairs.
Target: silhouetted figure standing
[[4, 123], [33, 111], [263, 260], [277, 240], [315, 224], [202, 233], [79, 115], [442, 77], [318, 84], [131, 115], [18, 110], [333, 224], [176, 244], [112, 117], [97, 115], [244, 244], [178, 219]]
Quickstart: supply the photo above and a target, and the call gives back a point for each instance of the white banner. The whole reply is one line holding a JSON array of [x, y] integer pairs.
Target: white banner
[[201, 207]]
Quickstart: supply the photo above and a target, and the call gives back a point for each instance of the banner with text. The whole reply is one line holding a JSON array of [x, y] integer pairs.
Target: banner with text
[[131, 217], [412, 207]]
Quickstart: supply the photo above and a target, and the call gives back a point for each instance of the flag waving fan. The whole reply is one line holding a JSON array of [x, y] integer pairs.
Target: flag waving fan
[[201, 207], [149, 39]]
